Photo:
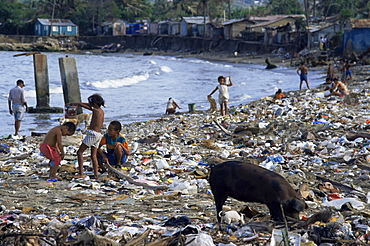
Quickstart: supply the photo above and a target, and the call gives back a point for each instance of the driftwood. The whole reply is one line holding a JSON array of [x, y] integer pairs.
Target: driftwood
[[27, 54], [113, 171], [89, 238], [222, 128], [140, 240], [19, 157]]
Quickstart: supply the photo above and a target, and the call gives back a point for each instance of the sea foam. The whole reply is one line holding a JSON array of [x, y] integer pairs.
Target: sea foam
[[117, 83]]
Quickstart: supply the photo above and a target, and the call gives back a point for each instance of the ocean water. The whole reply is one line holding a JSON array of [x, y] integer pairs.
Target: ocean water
[[136, 87]]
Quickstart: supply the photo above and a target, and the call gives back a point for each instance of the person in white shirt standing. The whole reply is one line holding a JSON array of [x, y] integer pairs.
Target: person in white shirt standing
[[17, 104], [223, 96]]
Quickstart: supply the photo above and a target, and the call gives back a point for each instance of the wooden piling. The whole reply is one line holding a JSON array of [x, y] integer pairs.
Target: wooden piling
[[70, 82], [41, 80]]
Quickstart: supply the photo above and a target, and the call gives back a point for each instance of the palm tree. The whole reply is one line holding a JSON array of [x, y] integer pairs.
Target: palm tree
[[132, 9]]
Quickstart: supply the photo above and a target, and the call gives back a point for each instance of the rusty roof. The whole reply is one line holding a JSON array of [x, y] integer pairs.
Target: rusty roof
[[272, 18], [360, 23]]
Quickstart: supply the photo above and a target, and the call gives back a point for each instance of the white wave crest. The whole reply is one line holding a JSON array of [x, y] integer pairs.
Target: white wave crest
[[166, 69], [56, 90], [30, 93], [243, 97], [117, 83]]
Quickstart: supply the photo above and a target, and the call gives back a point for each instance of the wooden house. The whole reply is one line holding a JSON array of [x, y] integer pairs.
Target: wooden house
[[194, 26], [114, 27], [270, 21], [325, 30], [55, 27], [234, 28]]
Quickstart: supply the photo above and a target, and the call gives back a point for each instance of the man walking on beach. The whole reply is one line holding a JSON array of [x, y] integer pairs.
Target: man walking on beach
[[17, 104], [302, 71]]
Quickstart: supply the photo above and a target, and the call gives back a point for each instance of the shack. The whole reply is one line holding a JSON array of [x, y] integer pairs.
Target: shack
[[356, 37], [193, 26], [327, 31], [235, 27], [112, 27], [270, 21], [55, 27]]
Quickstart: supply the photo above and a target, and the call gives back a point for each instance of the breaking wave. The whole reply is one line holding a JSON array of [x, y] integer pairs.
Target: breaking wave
[[117, 83]]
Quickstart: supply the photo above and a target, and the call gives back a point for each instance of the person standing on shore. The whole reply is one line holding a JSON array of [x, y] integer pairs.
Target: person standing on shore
[[302, 71], [330, 73], [223, 97], [17, 104], [93, 135]]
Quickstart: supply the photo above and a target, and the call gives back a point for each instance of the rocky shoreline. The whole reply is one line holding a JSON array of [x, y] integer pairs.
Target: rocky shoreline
[[302, 137]]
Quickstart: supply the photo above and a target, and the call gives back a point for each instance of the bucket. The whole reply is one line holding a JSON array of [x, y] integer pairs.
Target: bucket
[[320, 95], [70, 112], [191, 107]]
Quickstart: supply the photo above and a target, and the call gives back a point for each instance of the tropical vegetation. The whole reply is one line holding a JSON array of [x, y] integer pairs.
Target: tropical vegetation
[[18, 17]]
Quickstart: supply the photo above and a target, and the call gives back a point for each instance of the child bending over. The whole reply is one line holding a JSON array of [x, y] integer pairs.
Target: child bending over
[[52, 147]]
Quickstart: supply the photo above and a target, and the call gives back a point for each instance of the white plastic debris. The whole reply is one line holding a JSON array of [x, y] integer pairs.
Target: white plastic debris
[[162, 164], [338, 203], [200, 239]]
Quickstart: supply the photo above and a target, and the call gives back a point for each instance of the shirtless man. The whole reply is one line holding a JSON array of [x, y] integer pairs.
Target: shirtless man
[[330, 73], [302, 71], [52, 147]]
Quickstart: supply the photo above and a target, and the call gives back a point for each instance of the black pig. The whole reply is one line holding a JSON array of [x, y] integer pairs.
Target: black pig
[[251, 183]]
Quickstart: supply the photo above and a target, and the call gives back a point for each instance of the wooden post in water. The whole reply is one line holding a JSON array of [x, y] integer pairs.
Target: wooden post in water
[[70, 82], [40, 65]]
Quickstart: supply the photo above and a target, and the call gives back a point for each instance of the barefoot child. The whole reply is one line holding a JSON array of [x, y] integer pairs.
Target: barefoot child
[[223, 96], [116, 146], [52, 147], [93, 135]]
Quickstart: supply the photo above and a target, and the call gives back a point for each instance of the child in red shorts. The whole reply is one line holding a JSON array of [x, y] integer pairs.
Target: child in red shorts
[[52, 147]]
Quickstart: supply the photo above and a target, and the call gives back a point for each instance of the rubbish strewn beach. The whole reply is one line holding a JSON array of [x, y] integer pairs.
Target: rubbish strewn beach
[[302, 137]]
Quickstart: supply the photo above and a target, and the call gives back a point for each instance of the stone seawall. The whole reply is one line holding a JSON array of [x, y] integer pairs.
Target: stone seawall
[[134, 42]]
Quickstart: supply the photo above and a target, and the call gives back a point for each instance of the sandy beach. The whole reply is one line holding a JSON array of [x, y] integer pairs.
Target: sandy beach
[[303, 138]]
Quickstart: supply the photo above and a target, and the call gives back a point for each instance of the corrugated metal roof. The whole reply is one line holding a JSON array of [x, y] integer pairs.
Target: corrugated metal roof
[[111, 21], [273, 18], [56, 22], [317, 28], [195, 20], [360, 23], [232, 21]]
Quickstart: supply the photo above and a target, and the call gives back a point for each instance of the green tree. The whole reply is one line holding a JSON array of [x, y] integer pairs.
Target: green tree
[[13, 16], [280, 7], [133, 9], [159, 10]]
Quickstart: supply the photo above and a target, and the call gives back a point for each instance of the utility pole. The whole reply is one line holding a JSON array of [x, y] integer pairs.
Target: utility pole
[[229, 9], [308, 29], [52, 20]]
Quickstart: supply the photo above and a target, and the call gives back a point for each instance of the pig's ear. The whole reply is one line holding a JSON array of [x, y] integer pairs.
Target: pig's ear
[[298, 205]]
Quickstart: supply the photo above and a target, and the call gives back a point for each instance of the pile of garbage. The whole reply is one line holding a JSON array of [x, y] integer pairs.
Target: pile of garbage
[[162, 196]]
